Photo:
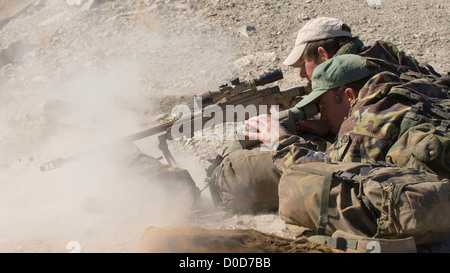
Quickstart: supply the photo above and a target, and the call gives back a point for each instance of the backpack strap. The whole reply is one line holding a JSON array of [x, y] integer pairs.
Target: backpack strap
[[422, 103], [211, 180], [394, 68], [326, 188], [351, 243], [391, 58], [327, 178]]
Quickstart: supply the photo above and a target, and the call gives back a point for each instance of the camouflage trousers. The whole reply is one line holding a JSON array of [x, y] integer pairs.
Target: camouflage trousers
[[244, 180]]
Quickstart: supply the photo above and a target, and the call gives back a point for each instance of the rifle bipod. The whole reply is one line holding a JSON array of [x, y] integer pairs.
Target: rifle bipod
[[165, 150]]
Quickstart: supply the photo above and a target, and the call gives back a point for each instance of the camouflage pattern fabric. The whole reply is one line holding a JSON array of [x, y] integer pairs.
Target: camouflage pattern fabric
[[376, 128], [286, 156], [389, 53], [374, 201], [354, 46], [391, 59], [234, 184]]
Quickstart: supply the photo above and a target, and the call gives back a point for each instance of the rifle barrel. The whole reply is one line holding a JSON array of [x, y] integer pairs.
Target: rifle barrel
[[60, 162], [240, 93]]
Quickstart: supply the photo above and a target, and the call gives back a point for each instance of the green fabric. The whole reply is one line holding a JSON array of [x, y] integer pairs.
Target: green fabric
[[354, 46], [403, 123], [337, 71]]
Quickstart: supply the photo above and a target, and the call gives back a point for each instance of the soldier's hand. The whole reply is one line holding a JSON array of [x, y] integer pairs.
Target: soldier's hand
[[267, 129]]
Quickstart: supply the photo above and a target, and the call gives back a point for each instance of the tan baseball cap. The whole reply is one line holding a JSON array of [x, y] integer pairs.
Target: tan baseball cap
[[316, 29]]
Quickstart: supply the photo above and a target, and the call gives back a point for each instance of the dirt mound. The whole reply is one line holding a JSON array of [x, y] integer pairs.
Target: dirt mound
[[199, 240]]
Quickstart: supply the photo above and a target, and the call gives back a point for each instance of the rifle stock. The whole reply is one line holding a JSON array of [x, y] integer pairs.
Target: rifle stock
[[240, 93]]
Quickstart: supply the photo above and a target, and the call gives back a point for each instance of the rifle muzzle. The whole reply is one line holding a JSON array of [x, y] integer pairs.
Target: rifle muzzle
[[57, 163]]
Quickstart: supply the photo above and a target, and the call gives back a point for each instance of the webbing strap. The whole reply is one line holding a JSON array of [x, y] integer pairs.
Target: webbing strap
[[445, 124], [423, 101], [325, 197], [394, 67], [436, 110], [441, 112], [323, 218]]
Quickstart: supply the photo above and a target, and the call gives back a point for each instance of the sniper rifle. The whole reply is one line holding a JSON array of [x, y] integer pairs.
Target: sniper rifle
[[243, 93]]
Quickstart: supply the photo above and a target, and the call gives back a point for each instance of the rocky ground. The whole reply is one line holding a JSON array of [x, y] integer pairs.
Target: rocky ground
[[123, 66]]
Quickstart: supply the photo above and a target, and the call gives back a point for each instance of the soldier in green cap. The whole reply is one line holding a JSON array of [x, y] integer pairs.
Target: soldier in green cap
[[376, 116], [383, 120], [232, 178]]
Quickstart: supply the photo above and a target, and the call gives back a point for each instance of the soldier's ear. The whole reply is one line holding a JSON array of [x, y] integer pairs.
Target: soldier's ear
[[350, 94], [323, 54]]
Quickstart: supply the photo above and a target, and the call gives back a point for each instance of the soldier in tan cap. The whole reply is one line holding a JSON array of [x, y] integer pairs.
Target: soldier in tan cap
[[318, 41], [233, 181]]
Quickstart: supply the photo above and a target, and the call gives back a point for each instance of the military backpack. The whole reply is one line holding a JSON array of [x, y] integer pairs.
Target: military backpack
[[371, 201]]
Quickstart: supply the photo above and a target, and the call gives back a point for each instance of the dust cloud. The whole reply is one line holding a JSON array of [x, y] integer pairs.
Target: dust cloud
[[96, 201]]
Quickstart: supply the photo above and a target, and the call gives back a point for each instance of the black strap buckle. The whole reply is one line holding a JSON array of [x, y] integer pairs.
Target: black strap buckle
[[444, 126], [344, 175]]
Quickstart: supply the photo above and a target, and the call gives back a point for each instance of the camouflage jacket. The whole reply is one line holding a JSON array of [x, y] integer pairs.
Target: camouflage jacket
[[354, 46], [393, 59], [375, 129]]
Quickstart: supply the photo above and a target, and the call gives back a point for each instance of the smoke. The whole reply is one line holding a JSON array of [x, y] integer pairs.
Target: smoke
[[94, 201], [98, 201]]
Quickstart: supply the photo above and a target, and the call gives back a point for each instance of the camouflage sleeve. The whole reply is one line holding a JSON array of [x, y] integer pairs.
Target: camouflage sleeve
[[353, 147], [291, 149], [376, 120], [354, 46], [373, 124]]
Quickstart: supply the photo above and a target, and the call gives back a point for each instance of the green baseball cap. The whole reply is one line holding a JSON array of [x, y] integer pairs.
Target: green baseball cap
[[337, 71]]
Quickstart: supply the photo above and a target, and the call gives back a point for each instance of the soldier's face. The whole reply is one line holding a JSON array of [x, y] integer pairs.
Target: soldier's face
[[331, 113], [307, 68]]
